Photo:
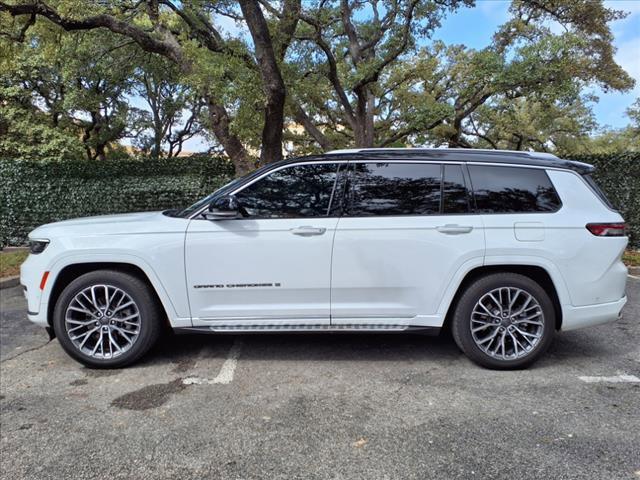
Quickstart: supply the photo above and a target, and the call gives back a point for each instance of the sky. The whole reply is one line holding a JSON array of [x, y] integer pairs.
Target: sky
[[474, 27]]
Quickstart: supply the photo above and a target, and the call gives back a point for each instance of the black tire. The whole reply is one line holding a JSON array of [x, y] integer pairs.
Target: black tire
[[461, 323], [150, 317]]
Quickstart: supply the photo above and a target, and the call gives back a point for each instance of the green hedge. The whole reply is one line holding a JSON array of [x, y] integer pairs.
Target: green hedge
[[619, 177], [34, 193]]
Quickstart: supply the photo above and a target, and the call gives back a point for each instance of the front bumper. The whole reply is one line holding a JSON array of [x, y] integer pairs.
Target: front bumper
[[589, 315], [39, 318], [31, 272]]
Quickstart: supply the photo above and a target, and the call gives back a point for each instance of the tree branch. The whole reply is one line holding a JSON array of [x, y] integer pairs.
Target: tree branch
[[166, 47]]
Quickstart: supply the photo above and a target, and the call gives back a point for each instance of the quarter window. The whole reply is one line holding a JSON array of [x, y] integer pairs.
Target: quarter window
[[512, 190], [300, 191], [394, 189]]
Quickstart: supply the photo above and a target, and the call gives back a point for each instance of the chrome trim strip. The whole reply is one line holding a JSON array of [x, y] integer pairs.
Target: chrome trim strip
[[399, 160], [309, 329], [264, 317]]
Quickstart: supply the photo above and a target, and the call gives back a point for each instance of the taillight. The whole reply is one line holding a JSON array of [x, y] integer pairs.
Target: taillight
[[607, 229]]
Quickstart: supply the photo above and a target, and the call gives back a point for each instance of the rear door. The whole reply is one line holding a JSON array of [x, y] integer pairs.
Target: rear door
[[406, 231], [518, 205]]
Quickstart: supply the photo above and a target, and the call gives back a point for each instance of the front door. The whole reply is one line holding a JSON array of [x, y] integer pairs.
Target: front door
[[273, 265], [406, 232]]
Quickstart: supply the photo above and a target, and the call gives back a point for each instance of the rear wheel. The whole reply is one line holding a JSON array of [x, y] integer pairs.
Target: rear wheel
[[107, 319], [504, 321]]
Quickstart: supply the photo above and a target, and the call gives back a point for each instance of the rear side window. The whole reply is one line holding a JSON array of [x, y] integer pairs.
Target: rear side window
[[394, 189], [512, 190]]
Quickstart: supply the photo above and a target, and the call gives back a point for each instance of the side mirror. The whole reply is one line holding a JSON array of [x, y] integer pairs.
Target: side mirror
[[223, 208]]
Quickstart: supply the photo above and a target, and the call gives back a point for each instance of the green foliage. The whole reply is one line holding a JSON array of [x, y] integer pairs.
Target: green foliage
[[363, 73], [607, 141], [619, 177], [33, 193]]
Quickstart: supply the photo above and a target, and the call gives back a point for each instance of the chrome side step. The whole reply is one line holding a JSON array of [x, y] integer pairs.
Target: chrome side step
[[359, 328]]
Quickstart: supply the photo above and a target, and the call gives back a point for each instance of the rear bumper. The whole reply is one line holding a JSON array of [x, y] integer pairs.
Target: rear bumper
[[589, 315]]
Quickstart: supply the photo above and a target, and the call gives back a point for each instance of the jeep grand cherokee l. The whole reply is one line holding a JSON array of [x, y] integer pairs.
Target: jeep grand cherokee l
[[506, 248]]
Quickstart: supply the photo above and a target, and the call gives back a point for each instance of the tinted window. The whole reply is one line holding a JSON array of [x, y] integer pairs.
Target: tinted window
[[394, 189], [512, 190], [293, 192], [454, 192]]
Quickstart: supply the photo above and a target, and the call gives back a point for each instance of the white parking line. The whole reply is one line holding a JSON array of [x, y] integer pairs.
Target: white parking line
[[615, 379], [225, 375], [633, 276]]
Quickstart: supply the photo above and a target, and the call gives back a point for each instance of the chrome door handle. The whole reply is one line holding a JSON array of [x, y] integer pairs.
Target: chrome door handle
[[454, 229], [308, 231]]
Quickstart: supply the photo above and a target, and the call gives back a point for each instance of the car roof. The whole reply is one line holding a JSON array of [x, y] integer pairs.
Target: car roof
[[513, 157]]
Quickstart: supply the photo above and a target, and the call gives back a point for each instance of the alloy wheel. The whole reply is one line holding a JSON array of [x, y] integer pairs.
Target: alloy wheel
[[507, 323], [102, 321]]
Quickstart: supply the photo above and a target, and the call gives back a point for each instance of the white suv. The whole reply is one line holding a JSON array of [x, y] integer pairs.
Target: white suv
[[505, 248]]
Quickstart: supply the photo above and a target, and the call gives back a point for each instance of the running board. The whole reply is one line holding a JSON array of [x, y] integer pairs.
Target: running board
[[359, 328]]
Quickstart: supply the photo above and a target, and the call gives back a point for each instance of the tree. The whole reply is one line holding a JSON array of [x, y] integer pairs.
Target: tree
[[608, 140], [532, 123], [351, 49], [72, 91], [380, 87], [361, 72], [633, 112], [175, 109], [184, 33]]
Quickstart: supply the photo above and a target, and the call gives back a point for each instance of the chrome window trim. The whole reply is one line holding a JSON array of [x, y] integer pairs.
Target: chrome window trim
[[399, 160]]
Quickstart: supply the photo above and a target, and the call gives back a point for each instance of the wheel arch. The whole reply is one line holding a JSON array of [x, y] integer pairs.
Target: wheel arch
[[536, 273], [73, 270]]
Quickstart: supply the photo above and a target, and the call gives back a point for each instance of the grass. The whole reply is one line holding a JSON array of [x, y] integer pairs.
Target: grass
[[10, 262], [632, 258]]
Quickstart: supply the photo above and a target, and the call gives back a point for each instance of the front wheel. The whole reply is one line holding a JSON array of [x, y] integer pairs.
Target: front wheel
[[504, 321], [106, 319]]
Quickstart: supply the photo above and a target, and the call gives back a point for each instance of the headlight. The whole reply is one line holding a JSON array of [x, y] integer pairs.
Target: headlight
[[37, 246]]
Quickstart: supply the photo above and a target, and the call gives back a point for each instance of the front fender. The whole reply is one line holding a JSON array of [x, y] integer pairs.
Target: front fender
[[175, 305]]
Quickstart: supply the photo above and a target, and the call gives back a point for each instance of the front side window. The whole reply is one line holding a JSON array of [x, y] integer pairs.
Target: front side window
[[394, 189], [512, 190], [299, 191]]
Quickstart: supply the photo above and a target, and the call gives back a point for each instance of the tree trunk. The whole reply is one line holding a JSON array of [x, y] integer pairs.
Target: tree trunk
[[454, 138], [364, 132], [273, 84], [369, 129], [231, 144]]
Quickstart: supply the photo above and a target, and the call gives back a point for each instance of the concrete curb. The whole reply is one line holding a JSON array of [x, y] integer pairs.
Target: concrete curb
[[8, 282]]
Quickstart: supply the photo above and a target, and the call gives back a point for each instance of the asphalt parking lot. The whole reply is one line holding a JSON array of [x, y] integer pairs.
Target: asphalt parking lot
[[310, 406]]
